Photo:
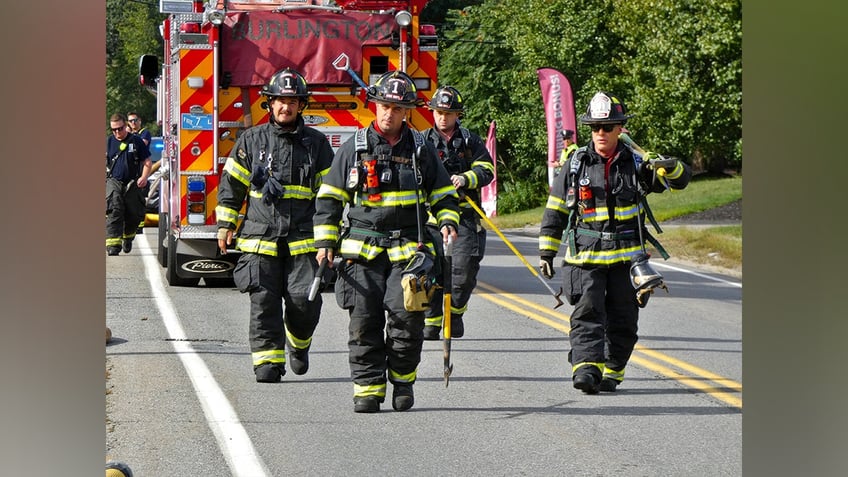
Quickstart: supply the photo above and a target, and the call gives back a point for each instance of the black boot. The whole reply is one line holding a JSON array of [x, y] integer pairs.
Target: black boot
[[588, 383], [402, 397], [367, 404], [127, 245], [608, 385], [113, 251], [269, 373], [431, 333], [299, 360], [457, 327]]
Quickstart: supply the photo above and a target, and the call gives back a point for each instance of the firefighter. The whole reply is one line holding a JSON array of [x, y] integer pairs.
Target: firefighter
[[467, 160], [384, 173], [134, 121], [597, 200], [568, 148], [277, 168], [127, 169]]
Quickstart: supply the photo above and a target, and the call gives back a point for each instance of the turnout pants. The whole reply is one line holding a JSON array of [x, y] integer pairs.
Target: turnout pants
[[271, 282], [384, 338], [604, 321], [468, 252], [124, 211]]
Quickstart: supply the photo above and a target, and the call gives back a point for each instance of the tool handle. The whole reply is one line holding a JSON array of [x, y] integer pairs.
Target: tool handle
[[316, 280]]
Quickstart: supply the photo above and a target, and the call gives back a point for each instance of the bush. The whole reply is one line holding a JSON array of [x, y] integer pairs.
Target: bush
[[521, 195]]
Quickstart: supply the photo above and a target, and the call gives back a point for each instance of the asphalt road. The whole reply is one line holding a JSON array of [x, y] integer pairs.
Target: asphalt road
[[181, 398]]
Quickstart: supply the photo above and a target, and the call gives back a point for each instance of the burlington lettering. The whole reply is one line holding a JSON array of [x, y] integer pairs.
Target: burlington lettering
[[305, 29]]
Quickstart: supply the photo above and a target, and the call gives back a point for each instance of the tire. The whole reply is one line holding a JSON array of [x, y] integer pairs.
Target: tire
[[162, 251], [171, 272]]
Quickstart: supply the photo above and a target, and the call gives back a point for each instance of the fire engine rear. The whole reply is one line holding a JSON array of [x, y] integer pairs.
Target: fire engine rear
[[217, 56]]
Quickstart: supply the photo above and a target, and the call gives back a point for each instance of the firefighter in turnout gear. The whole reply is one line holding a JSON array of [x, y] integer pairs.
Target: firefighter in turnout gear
[[467, 160], [127, 168], [598, 200], [277, 167], [385, 173]]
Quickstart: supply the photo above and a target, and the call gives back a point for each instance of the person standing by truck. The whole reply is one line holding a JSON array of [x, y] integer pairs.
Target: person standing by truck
[[127, 169], [277, 167], [465, 157], [385, 173]]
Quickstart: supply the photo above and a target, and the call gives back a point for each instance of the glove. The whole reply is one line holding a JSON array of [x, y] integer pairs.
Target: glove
[[546, 265], [459, 180], [222, 233]]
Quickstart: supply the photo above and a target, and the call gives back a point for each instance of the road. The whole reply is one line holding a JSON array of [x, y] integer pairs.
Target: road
[[182, 400]]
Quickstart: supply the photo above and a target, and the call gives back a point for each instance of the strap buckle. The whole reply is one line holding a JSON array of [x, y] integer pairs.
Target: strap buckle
[[394, 234]]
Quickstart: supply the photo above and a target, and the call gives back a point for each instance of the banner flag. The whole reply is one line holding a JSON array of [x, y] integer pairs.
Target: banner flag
[[559, 113], [489, 192]]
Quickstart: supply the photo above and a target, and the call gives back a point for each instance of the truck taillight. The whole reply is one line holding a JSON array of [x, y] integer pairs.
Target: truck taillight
[[196, 200]]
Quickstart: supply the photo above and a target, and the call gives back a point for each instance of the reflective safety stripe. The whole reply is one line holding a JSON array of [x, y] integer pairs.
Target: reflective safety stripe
[[549, 243], [113, 242], [130, 235], [226, 214], [237, 172], [577, 366], [556, 204], [616, 375], [362, 390], [326, 232], [269, 356], [393, 199], [298, 343], [289, 192], [434, 321], [402, 378], [264, 247], [601, 257], [397, 253], [327, 191], [299, 247]]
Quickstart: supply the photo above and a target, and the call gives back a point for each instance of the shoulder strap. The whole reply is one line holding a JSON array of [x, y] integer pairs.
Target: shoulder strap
[[360, 140], [418, 137]]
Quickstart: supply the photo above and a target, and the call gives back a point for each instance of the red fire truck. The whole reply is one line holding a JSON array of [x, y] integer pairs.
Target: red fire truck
[[217, 56]]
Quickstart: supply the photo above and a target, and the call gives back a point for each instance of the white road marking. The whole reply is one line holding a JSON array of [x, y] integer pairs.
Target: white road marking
[[233, 440]]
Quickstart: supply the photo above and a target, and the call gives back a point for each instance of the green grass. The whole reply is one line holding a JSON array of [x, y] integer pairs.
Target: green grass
[[719, 246], [698, 196]]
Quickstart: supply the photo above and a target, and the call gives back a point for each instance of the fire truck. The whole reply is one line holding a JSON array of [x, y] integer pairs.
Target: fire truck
[[217, 56]]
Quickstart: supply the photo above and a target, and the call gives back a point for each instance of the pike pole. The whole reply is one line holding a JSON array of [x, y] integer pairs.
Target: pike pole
[[517, 254], [446, 325]]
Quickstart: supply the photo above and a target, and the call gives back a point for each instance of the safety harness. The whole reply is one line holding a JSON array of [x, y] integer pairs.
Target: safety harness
[[571, 230]]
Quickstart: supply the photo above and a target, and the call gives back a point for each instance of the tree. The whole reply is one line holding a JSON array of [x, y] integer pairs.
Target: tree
[[132, 29]]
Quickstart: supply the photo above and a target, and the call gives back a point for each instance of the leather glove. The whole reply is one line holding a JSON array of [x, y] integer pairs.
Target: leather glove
[[546, 265]]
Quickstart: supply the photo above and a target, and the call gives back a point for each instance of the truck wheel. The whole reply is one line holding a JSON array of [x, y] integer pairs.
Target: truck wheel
[[171, 272], [164, 225]]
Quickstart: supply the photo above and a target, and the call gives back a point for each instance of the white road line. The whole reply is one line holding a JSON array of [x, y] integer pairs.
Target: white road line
[[708, 277], [233, 440]]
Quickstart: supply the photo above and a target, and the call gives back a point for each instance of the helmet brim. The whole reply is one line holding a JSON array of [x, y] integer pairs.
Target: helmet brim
[[620, 120]]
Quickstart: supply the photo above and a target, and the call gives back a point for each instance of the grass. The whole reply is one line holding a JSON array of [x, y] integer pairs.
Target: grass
[[719, 246]]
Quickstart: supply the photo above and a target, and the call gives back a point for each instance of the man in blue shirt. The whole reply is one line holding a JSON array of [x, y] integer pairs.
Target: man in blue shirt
[[127, 169]]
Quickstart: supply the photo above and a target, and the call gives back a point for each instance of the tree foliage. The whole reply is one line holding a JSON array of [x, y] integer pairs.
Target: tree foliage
[[675, 63], [132, 30]]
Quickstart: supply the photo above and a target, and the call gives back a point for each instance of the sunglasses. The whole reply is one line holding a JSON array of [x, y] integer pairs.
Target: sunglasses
[[134, 120], [122, 128], [605, 127]]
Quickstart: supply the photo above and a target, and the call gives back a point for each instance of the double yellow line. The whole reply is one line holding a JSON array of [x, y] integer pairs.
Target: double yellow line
[[719, 387]]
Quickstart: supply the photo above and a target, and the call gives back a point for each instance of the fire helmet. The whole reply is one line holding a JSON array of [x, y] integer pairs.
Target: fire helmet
[[605, 108], [287, 82], [447, 99], [395, 87]]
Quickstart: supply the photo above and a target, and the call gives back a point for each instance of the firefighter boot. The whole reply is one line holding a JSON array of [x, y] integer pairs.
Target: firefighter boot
[[269, 373], [127, 245], [368, 404], [431, 333], [608, 385], [113, 251], [299, 360], [457, 327], [588, 383], [402, 397]]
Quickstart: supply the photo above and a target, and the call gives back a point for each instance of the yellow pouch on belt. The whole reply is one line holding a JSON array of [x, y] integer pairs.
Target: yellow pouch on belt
[[416, 295]]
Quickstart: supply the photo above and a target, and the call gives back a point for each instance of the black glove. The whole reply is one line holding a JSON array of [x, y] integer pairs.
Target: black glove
[[546, 265]]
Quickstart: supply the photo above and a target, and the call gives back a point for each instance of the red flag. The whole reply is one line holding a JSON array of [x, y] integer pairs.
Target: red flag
[[559, 113], [489, 192]]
